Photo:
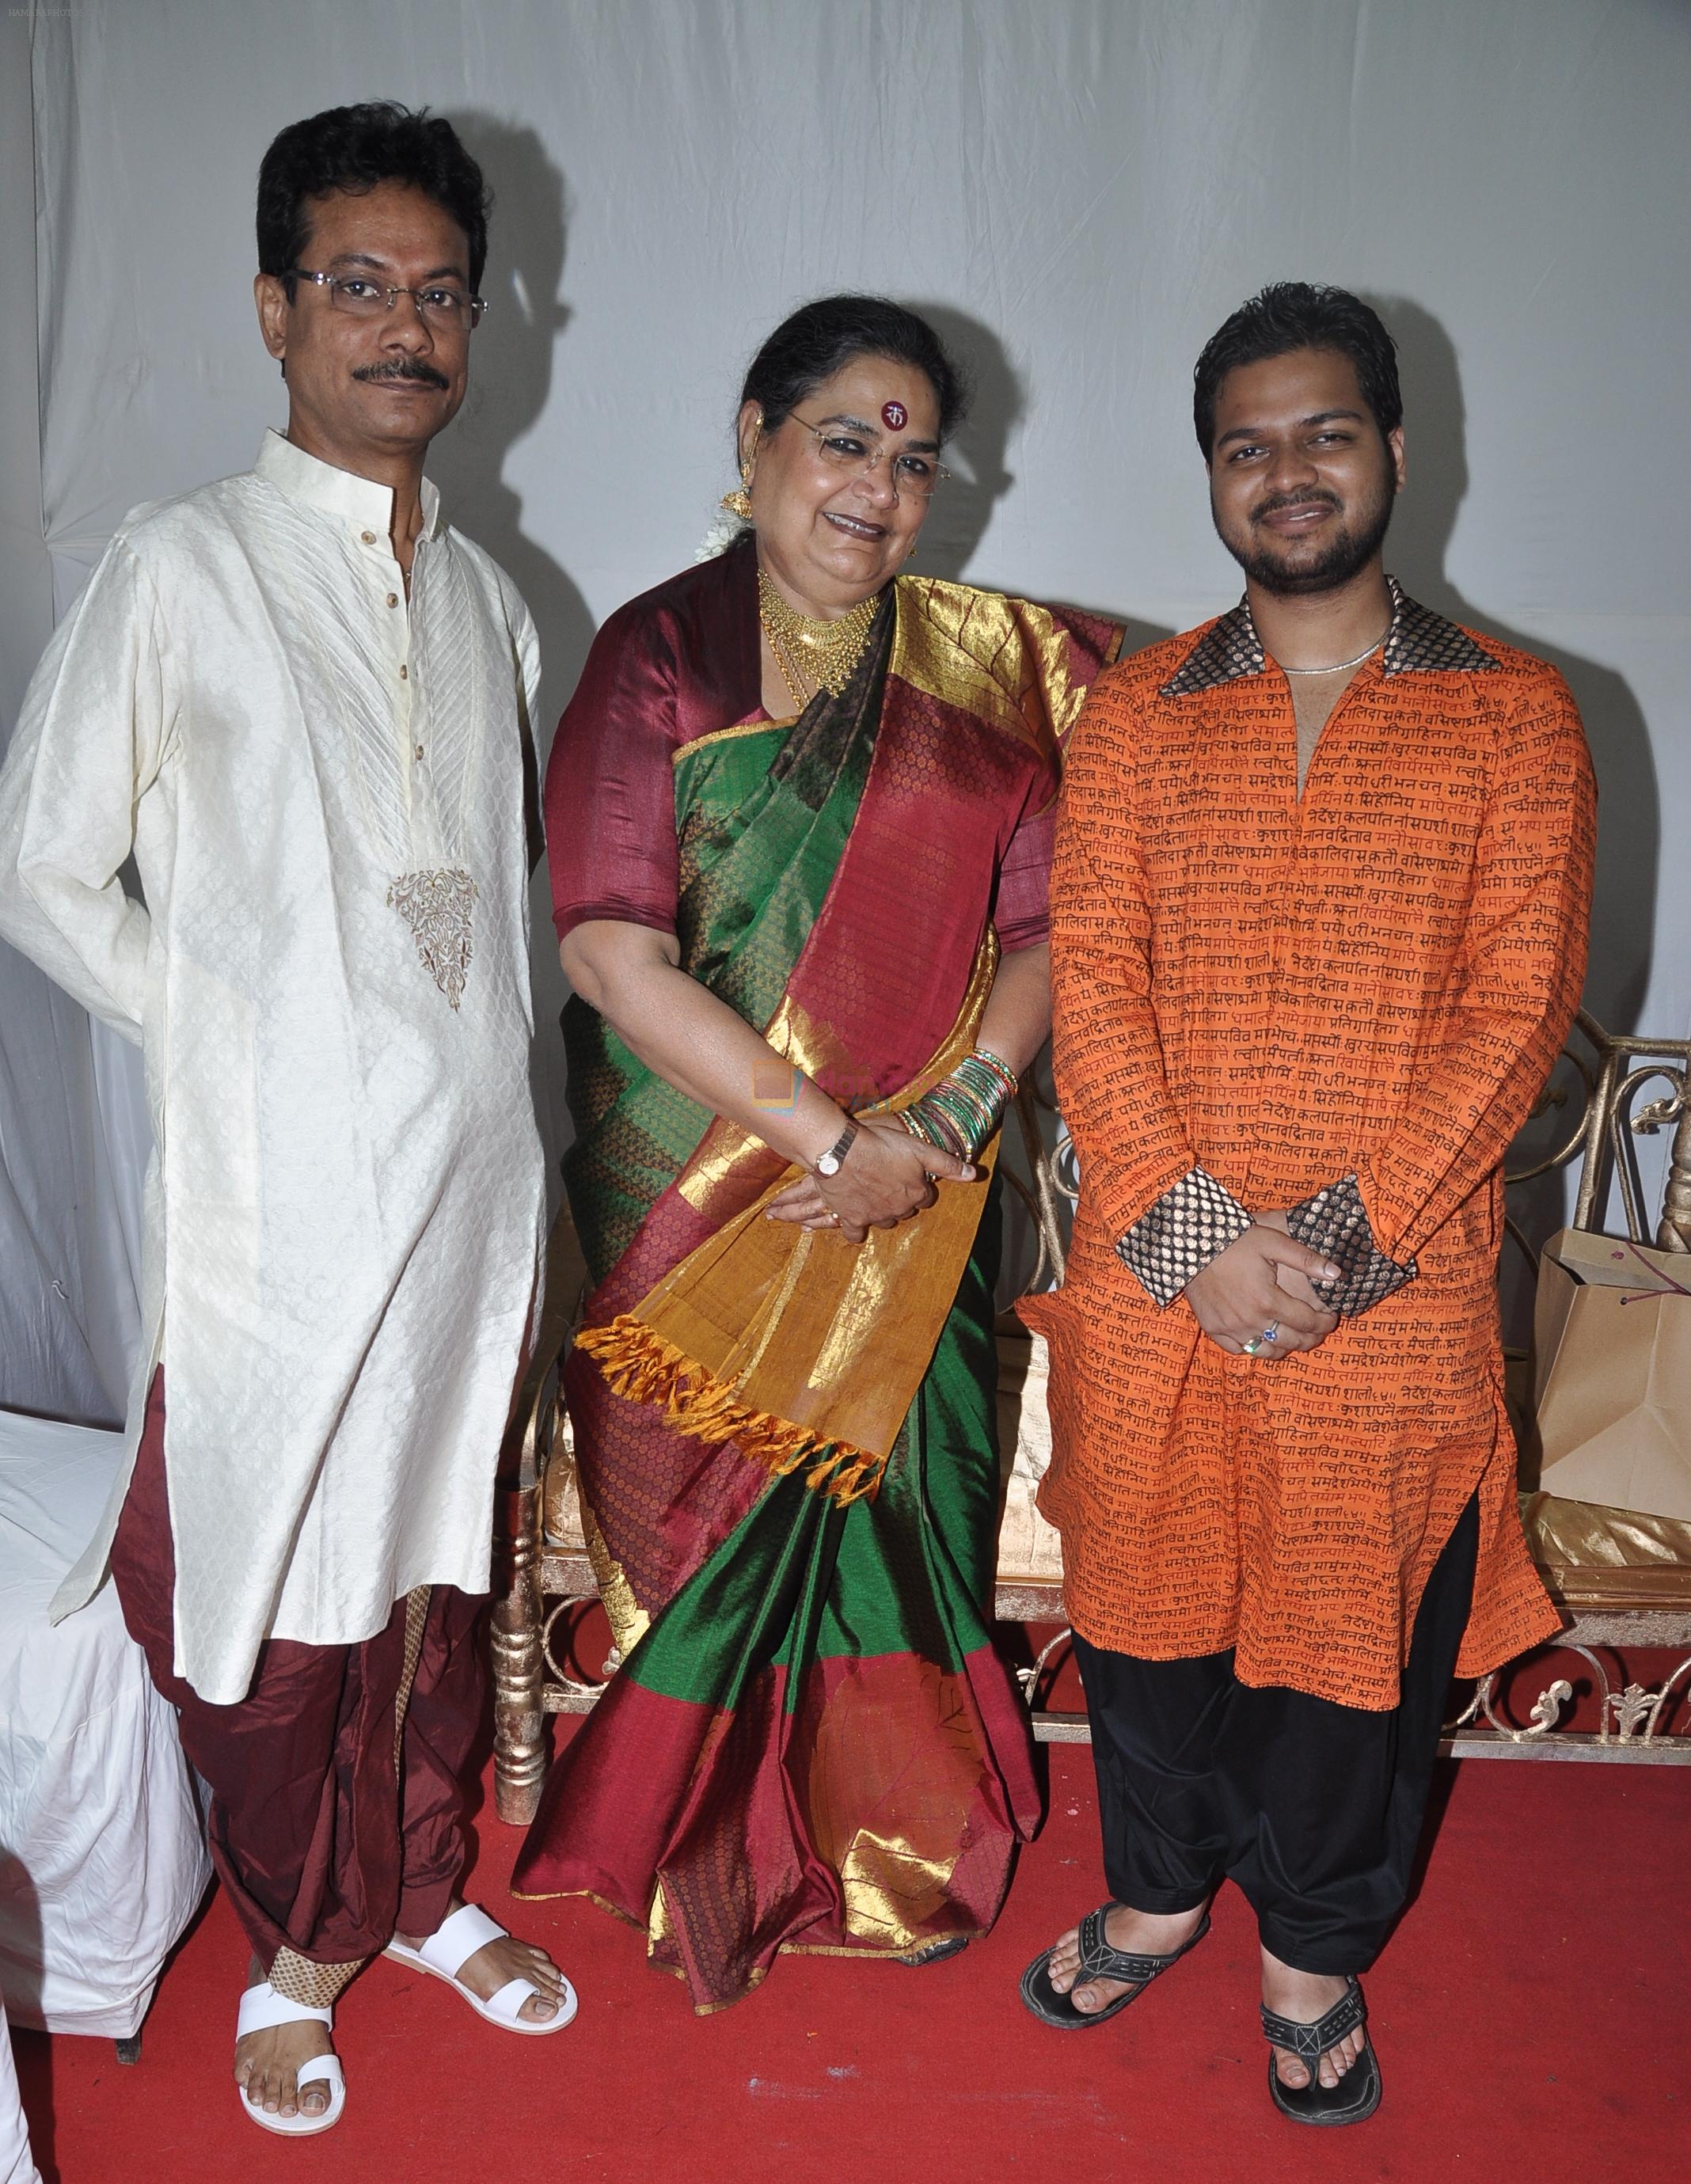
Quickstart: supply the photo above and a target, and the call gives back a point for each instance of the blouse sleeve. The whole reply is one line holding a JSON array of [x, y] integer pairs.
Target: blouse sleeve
[[1068, 650], [1022, 912], [610, 842]]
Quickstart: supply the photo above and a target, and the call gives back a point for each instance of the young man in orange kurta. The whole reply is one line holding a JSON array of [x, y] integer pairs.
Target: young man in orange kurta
[[1318, 930]]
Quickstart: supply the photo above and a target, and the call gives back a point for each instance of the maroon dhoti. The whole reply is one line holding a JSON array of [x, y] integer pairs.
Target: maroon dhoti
[[336, 1808]]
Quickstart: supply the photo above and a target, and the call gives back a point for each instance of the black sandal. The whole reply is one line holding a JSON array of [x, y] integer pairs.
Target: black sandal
[[1356, 2094], [1098, 1960]]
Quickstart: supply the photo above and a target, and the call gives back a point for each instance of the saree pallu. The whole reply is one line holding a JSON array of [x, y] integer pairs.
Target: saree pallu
[[810, 1743]]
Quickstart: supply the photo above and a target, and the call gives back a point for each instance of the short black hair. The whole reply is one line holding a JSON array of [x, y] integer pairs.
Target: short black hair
[[1292, 315], [823, 337], [353, 148]]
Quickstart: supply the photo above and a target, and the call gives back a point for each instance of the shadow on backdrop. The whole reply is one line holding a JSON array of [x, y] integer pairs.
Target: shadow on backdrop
[[978, 459], [509, 389], [1629, 833], [975, 456], [1629, 844]]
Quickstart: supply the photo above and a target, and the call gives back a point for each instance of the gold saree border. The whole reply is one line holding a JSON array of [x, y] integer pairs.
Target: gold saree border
[[1003, 660], [730, 735]]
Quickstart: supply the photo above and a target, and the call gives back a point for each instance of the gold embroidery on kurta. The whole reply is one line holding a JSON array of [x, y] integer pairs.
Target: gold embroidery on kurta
[[438, 906]]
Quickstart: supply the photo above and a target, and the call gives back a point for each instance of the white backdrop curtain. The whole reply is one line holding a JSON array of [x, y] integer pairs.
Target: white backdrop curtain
[[1080, 189]]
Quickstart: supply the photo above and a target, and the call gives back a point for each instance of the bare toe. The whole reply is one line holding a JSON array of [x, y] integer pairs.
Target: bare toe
[[269, 2083], [1063, 1964]]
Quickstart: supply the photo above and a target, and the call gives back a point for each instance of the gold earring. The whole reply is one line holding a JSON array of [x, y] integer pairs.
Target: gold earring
[[740, 503]]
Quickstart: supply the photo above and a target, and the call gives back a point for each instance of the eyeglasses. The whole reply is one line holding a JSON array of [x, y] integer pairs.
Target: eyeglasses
[[853, 455], [446, 310]]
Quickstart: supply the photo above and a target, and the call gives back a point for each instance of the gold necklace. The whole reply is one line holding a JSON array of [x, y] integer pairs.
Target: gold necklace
[[824, 653]]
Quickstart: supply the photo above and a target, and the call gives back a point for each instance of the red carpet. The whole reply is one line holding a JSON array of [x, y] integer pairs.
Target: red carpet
[[1533, 2019]]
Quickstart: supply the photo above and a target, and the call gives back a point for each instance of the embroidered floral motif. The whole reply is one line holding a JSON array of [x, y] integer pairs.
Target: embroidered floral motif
[[437, 906]]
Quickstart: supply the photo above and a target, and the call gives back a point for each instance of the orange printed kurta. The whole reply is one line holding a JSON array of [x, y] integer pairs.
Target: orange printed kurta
[[1369, 982]]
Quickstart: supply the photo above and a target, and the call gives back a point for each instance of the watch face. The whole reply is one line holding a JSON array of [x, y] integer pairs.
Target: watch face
[[827, 1163]]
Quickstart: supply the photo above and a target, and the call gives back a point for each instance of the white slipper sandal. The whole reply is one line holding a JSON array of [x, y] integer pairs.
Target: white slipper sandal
[[262, 2007], [449, 1948]]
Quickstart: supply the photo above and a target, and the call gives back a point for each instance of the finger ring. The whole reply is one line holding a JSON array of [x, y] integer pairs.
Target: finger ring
[[1252, 1345], [1271, 1332]]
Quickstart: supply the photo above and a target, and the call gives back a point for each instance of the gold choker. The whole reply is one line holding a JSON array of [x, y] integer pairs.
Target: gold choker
[[825, 654]]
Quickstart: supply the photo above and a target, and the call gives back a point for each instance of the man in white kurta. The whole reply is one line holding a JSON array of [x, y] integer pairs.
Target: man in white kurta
[[300, 699], [345, 1203]]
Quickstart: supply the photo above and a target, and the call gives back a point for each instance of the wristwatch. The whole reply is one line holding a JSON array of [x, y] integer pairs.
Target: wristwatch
[[828, 1164]]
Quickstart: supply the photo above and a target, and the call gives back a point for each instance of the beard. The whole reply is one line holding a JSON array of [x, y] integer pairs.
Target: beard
[[1347, 551]]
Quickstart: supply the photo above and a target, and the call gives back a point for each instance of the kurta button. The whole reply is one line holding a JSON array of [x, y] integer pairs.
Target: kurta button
[[392, 598], [405, 674], [368, 536], [418, 750]]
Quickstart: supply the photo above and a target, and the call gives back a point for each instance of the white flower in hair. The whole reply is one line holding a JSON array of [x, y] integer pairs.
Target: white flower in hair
[[722, 535]]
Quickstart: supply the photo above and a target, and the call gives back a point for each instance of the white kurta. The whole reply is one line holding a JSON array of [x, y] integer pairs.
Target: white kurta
[[322, 786]]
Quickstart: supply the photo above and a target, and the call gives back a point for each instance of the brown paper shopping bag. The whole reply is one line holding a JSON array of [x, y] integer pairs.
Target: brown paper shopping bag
[[1612, 1382]]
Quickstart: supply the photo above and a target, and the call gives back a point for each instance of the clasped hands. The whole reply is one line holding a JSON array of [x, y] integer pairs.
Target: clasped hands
[[1263, 1279], [887, 1176]]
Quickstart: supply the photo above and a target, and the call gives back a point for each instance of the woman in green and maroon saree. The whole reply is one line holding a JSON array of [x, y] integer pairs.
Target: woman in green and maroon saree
[[799, 823]]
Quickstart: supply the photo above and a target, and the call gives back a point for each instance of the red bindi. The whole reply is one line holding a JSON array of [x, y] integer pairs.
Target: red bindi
[[894, 416]]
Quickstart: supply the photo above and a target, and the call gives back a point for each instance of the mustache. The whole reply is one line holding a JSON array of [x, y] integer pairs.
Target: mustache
[[1279, 500], [404, 367]]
